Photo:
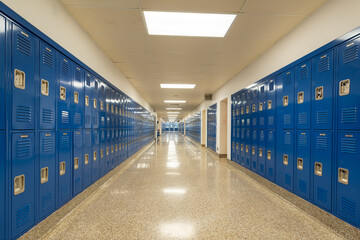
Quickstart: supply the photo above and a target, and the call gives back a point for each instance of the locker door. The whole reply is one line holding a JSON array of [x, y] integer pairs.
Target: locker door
[[47, 87], [116, 115], [88, 158], [2, 184], [261, 152], [108, 151], [2, 76], [112, 148], [117, 152], [23, 74], [348, 178], [102, 153], [242, 148], [247, 148], [270, 104], [77, 102], [348, 97], [108, 103], [248, 108], [64, 187], [233, 130], [288, 100], [303, 96], [64, 92], [288, 160], [77, 162], [22, 182], [112, 108], [279, 134], [102, 105], [322, 168], [322, 90], [270, 155], [95, 104], [262, 106], [95, 174], [47, 173], [254, 106], [254, 151], [89, 82], [302, 162]]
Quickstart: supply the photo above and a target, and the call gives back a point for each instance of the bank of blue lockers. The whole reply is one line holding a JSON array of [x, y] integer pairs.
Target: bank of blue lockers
[[64, 128], [193, 127], [211, 127], [300, 127]]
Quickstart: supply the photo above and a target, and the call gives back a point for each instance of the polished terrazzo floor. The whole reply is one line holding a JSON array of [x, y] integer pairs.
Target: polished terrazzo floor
[[177, 190]]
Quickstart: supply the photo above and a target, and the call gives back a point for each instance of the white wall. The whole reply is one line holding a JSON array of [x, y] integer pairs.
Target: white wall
[[332, 20], [50, 17]]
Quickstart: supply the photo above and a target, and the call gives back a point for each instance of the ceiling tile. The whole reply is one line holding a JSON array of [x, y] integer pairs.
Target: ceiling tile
[[102, 3], [180, 58], [130, 69], [128, 43], [131, 57], [185, 67]]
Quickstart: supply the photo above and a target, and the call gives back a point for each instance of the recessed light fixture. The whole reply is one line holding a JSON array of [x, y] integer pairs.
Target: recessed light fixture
[[174, 101], [173, 108], [179, 86], [188, 24], [173, 112]]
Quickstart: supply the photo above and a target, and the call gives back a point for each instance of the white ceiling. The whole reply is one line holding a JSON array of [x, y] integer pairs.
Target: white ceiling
[[118, 27]]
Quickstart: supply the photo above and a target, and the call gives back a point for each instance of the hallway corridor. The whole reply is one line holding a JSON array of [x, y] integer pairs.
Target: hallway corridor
[[177, 190]]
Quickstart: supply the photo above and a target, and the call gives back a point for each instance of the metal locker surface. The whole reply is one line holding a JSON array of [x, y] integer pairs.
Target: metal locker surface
[[102, 153], [77, 98], [95, 174], [347, 177], [233, 129], [241, 147], [279, 132], [303, 95], [64, 92], [254, 151], [23, 78], [88, 104], [261, 152], [270, 155], [88, 159], [242, 107], [322, 91], [288, 159], [47, 170], [102, 104], [3, 113], [254, 106], [247, 109], [95, 104], [22, 182], [64, 163], [47, 87], [112, 149], [107, 106], [247, 148], [302, 164], [262, 105], [77, 162], [2, 185], [322, 168], [288, 99], [270, 104], [107, 151]]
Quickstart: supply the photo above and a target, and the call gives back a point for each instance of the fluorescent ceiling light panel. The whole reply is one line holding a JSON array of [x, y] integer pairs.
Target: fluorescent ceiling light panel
[[180, 86], [173, 108], [188, 24], [173, 112], [174, 101]]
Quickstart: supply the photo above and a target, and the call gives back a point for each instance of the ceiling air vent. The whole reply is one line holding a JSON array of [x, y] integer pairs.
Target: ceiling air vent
[[208, 97]]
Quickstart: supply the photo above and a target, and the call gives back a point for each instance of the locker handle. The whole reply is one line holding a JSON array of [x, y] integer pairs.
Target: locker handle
[[253, 108], [242, 147], [62, 168], [247, 109], [101, 153], [253, 151], [76, 97], [19, 184], [44, 175], [242, 111], [95, 156], [86, 159], [101, 105], [318, 169], [107, 107], [87, 102], [76, 163], [19, 79], [95, 103], [319, 93], [44, 87], [237, 146], [247, 148], [269, 104], [107, 151], [285, 101], [269, 155], [343, 176], [300, 163], [260, 152], [285, 159], [62, 93], [344, 86], [233, 113], [300, 98], [260, 106]]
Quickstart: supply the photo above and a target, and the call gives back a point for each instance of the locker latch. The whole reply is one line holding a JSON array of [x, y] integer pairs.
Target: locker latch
[[76, 97], [101, 153], [253, 150], [242, 111], [237, 146], [116, 110], [242, 147], [237, 112], [19, 184], [285, 159], [300, 98], [269, 104], [344, 87], [107, 151], [285, 101], [86, 159], [319, 93], [112, 108], [318, 168], [233, 144], [343, 176], [87, 102], [62, 168], [260, 152], [107, 107], [44, 87], [269, 155], [253, 108], [112, 149], [247, 109], [116, 147], [247, 148], [260, 106], [95, 103], [300, 163], [44, 175], [101, 105], [62, 93], [233, 113], [19, 79], [76, 163]]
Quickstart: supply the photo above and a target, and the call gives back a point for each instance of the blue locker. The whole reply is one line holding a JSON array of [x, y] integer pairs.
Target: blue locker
[[88, 89], [254, 106], [23, 74], [77, 102], [47, 172], [278, 134], [64, 185], [348, 85], [247, 148], [108, 102], [233, 129], [95, 105], [112, 148], [2, 76], [47, 87], [242, 108], [348, 178], [117, 152], [242, 147], [270, 155], [288, 99], [247, 106], [88, 158], [2, 184], [254, 150], [95, 174], [322, 168], [64, 92], [112, 108], [102, 153], [102, 104], [116, 114], [261, 152], [77, 162], [22, 182], [322, 90], [262, 105], [108, 151], [303, 167], [288, 159], [303, 95], [270, 104]]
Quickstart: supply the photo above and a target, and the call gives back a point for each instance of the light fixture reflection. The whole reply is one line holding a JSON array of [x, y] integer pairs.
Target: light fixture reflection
[[142, 165], [177, 230], [177, 191], [172, 165], [173, 173]]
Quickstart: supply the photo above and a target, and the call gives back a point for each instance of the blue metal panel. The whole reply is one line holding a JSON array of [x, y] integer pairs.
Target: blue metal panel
[[22, 182], [3, 113], [117, 103], [270, 104], [322, 90], [77, 162], [64, 92], [233, 129], [254, 106], [112, 148], [279, 132], [88, 158], [348, 178], [107, 109], [23, 78], [102, 153], [95, 103], [303, 95], [288, 159], [95, 174], [47, 87], [47, 182], [88, 105], [270, 155], [247, 106], [247, 148], [108, 151], [77, 97], [288, 99], [242, 107], [254, 151], [262, 105], [2, 184], [64, 187], [102, 105], [322, 168], [261, 152], [117, 150], [242, 147], [348, 85], [302, 162], [112, 108]]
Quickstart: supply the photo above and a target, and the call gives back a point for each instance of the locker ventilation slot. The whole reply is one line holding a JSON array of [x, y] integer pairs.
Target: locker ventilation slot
[[48, 116], [78, 75], [324, 65], [23, 45], [348, 145], [48, 58], [347, 206], [23, 113], [304, 73], [287, 119], [302, 118], [65, 68], [47, 202], [322, 117], [23, 216], [77, 118], [349, 115], [23, 148], [302, 140], [47, 144], [64, 117], [270, 137], [322, 143], [321, 195], [65, 142], [351, 54], [287, 139]]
